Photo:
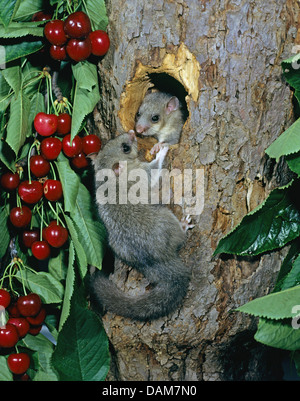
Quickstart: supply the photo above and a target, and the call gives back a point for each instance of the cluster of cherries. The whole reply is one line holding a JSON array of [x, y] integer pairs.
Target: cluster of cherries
[[32, 190], [26, 314], [75, 38]]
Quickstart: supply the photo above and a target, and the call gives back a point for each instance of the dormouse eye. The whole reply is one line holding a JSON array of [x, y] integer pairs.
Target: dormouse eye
[[126, 148], [138, 114], [155, 118]]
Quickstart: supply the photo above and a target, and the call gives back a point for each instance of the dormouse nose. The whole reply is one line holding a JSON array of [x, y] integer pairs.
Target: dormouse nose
[[140, 128]]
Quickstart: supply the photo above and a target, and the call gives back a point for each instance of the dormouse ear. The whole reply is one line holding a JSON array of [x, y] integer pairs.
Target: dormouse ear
[[173, 104], [132, 136]]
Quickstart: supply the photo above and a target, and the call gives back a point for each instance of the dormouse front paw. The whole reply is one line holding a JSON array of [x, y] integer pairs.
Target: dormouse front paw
[[185, 223]]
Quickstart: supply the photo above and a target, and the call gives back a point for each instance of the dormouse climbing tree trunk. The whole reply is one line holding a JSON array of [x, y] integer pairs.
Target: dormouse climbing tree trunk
[[223, 58]]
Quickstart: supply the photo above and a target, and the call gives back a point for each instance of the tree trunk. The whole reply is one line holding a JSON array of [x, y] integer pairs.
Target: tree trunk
[[225, 57]]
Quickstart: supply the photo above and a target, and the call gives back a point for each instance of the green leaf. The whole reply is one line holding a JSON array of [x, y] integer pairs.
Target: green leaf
[[293, 278], [69, 287], [278, 334], [4, 233], [270, 226], [7, 10], [90, 231], [278, 305], [81, 353], [23, 48], [79, 251], [97, 12], [5, 373], [18, 126], [70, 183], [28, 8], [86, 94], [44, 349], [44, 284], [13, 77], [293, 162], [17, 30], [287, 143]]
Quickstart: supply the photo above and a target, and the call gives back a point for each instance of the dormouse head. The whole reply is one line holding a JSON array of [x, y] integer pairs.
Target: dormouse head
[[117, 150], [154, 112]]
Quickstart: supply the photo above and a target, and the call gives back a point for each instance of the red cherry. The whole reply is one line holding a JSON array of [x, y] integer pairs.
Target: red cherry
[[40, 250], [45, 124], [58, 52], [21, 324], [9, 181], [77, 25], [79, 50], [29, 237], [5, 298], [56, 235], [41, 16], [38, 319], [91, 144], [64, 124], [54, 32], [100, 42], [39, 166], [20, 216], [13, 310], [71, 149], [30, 192], [80, 161], [34, 330], [29, 305], [51, 148], [18, 363], [52, 190], [8, 336]]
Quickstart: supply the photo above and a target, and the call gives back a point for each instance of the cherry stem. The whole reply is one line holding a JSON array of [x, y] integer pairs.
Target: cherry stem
[[58, 219], [41, 227]]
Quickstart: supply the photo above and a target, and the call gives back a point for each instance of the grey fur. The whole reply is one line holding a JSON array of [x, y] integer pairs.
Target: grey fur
[[145, 237]]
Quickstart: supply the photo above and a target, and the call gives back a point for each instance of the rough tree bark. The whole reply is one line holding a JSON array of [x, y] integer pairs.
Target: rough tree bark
[[226, 55]]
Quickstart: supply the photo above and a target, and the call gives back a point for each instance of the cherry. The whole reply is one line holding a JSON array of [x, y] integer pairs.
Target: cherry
[[10, 181], [21, 324], [20, 216], [52, 190], [91, 144], [39, 166], [29, 305], [38, 319], [5, 298], [55, 234], [80, 161], [13, 310], [51, 148], [18, 363], [100, 42], [71, 149], [77, 25], [40, 250], [8, 336], [45, 124], [58, 52], [64, 123], [29, 237], [30, 192], [54, 32], [34, 330], [79, 50], [41, 16]]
